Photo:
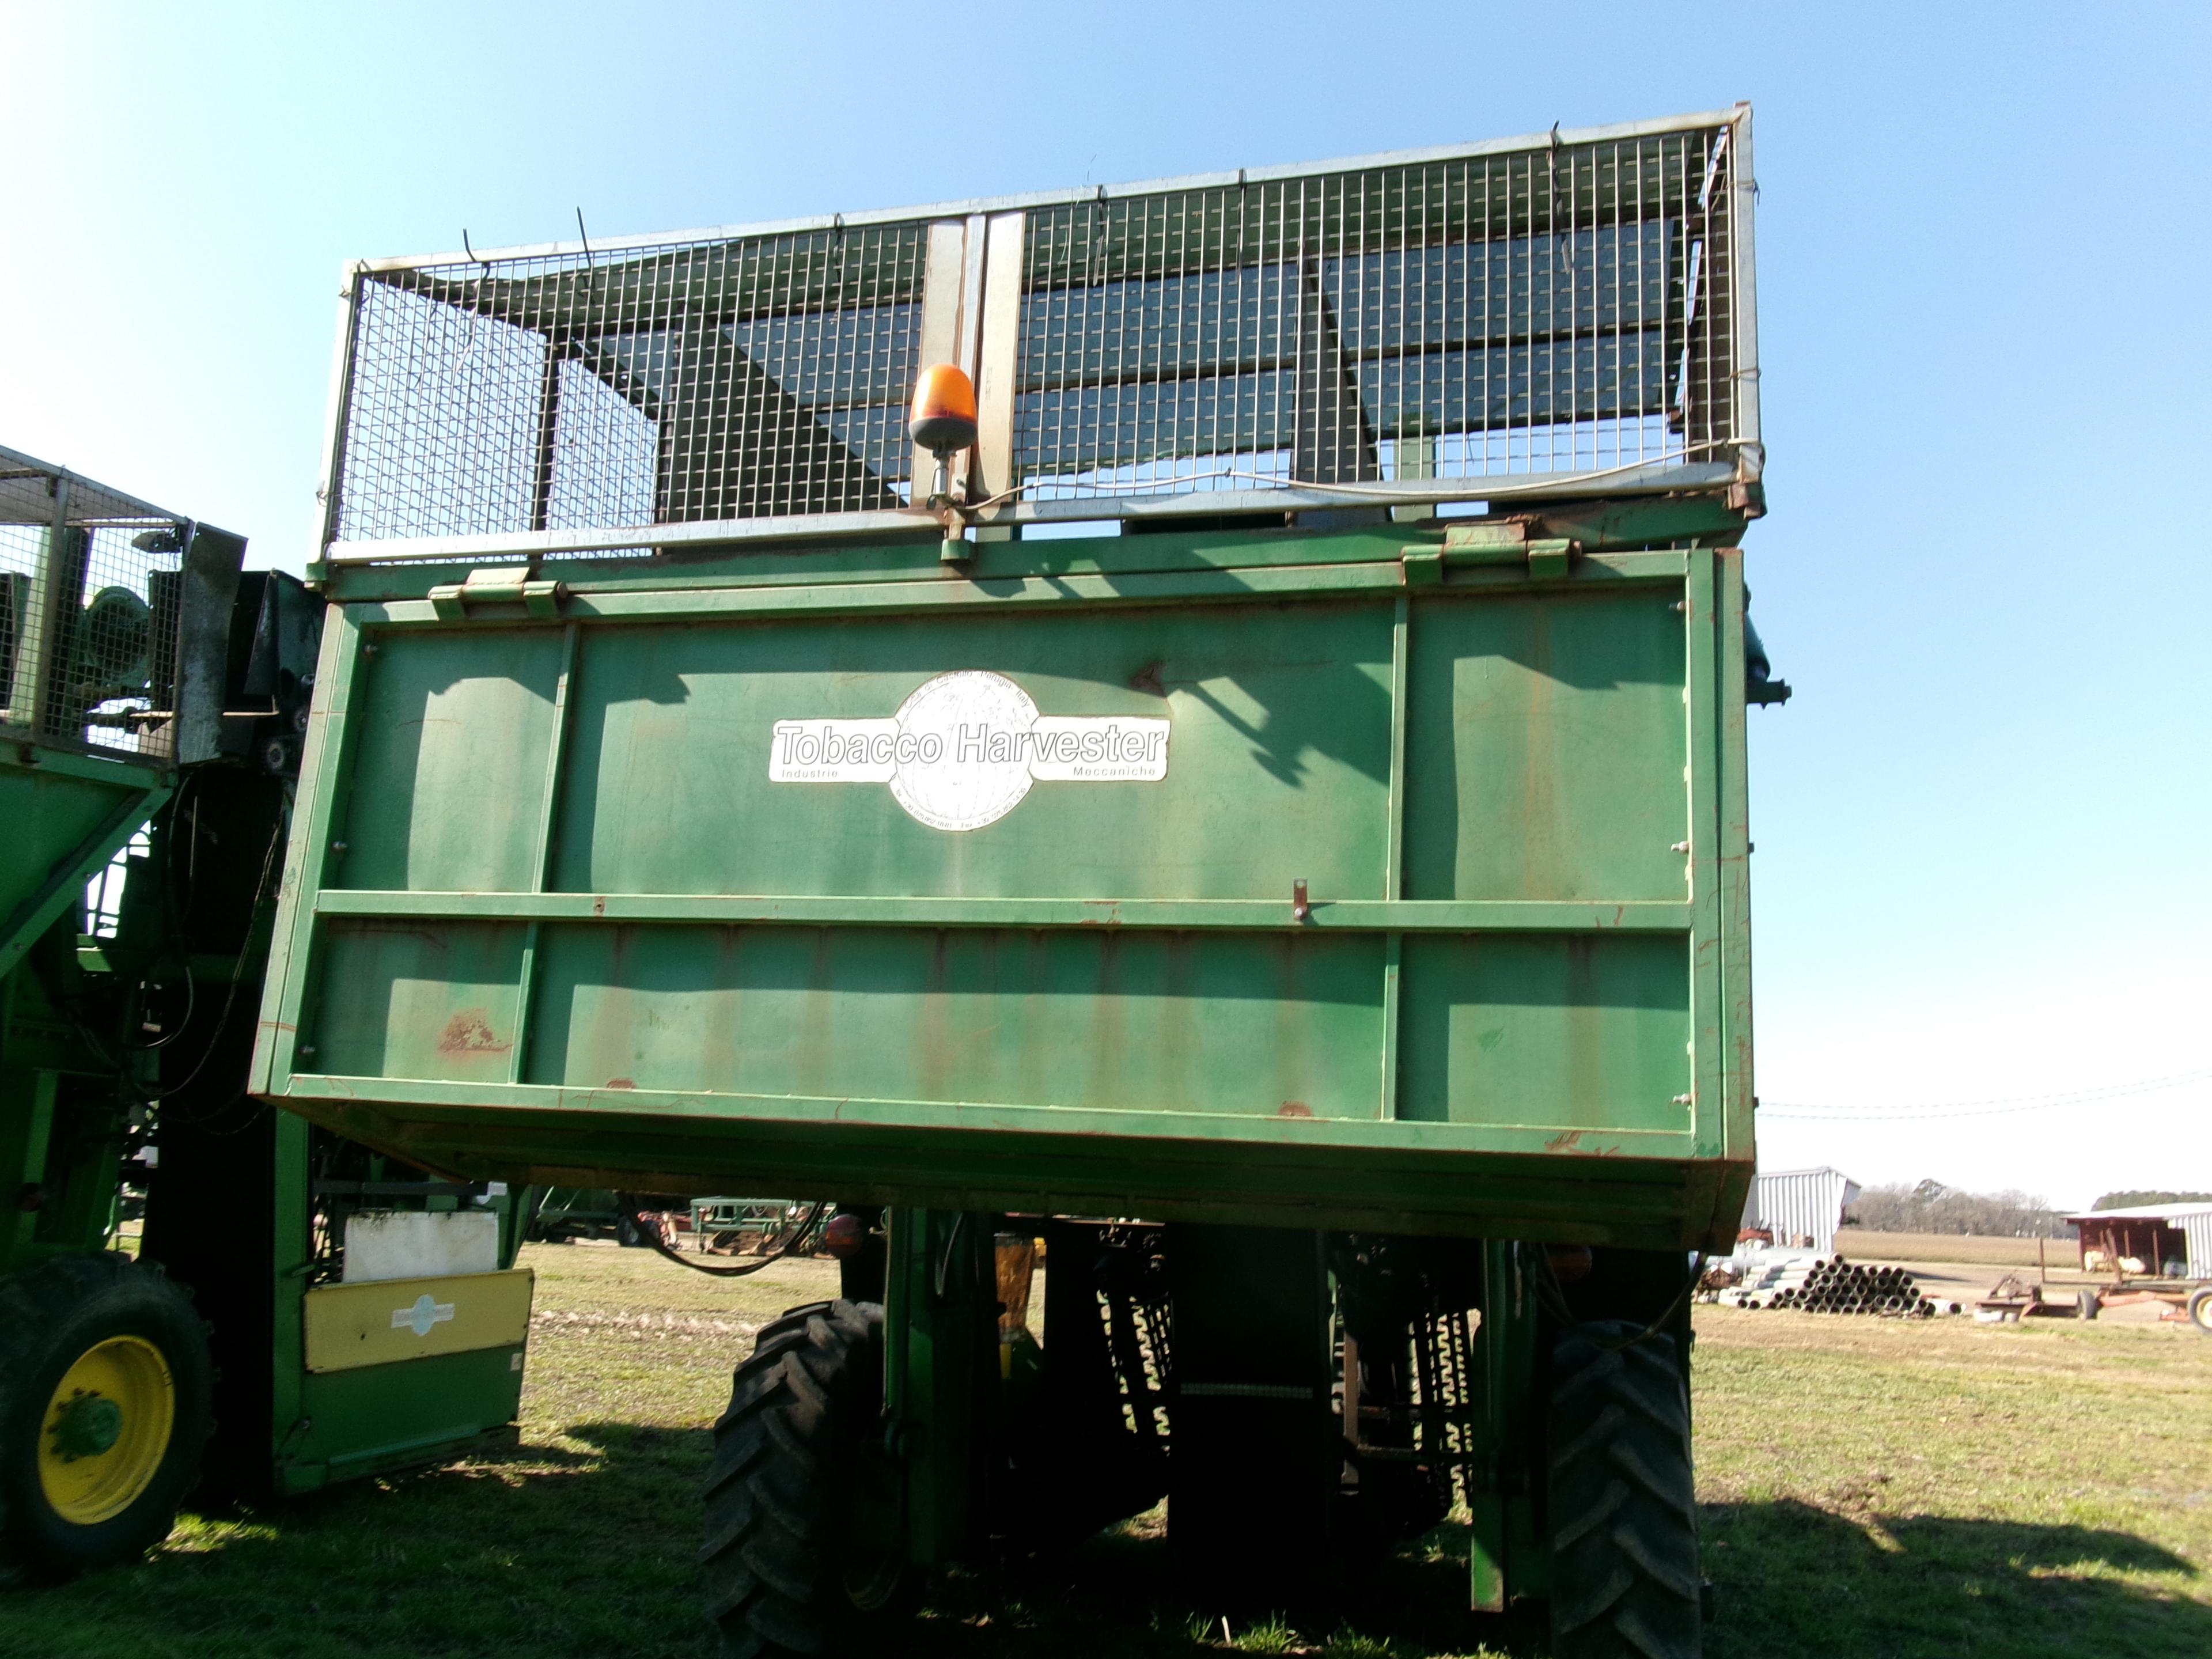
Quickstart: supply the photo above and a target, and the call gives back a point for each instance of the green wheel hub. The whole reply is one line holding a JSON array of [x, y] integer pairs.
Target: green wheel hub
[[86, 1426]]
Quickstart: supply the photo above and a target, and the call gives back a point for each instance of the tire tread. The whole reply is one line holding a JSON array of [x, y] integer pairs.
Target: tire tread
[[1623, 1505], [774, 1489]]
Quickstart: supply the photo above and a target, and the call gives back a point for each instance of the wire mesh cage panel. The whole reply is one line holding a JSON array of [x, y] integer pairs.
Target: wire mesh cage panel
[[90, 604], [1554, 311], [1574, 308], [757, 376]]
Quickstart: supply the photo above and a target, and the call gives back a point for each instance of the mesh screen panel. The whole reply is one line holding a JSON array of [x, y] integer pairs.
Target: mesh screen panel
[[1561, 307], [755, 377], [1545, 311], [88, 624]]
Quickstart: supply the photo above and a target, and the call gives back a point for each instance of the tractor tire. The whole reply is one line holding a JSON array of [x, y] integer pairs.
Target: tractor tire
[[1622, 1507], [2200, 1310], [105, 1392], [786, 1568]]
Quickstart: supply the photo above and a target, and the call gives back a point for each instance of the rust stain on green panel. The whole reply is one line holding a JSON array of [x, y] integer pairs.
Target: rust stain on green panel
[[1162, 1021], [432, 1000]]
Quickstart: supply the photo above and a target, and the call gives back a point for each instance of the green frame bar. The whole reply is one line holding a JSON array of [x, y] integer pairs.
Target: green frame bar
[[723, 909], [444, 1098]]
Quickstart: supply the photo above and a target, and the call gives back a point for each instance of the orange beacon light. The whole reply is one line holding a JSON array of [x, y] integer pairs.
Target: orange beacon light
[[942, 421], [943, 417]]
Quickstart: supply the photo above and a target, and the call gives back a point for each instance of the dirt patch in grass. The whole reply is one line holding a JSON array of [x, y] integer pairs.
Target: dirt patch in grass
[[1868, 1488]]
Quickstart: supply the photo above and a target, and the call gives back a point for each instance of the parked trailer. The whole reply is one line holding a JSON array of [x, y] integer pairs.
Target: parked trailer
[[154, 695], [1201, 723]]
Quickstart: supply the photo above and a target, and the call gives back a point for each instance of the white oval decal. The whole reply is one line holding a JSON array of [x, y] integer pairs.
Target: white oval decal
[[964, 748]]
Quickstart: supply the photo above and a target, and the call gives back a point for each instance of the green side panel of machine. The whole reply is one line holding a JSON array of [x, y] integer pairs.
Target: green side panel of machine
[[65, 816], [391, 1417], [1434, 922]]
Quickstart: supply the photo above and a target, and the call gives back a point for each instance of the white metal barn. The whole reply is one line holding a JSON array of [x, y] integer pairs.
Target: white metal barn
[[1796, 1204]]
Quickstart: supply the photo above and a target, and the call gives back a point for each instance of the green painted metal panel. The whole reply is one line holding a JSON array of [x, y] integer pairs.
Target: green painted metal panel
[[354, 1423], [1280, 757], [420, 1002], [1546, 749], [65, 816], [596, 921], [1102, 1018], [1584, 1034], [453, 758]]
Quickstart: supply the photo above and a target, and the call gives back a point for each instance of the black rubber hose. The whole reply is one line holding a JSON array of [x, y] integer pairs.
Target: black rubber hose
[[655, 1240]]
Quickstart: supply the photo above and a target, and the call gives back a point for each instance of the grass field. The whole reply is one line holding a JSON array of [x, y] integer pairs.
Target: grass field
[[1868, 1489], [1857, 1244]]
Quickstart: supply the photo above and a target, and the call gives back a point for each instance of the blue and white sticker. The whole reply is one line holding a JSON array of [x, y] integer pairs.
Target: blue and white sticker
[[425, 1312], [963, 750]]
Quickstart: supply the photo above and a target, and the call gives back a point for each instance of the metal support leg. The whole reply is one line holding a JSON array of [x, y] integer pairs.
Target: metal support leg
[[940, 1319], [1254, 1470], [1505, 1556]]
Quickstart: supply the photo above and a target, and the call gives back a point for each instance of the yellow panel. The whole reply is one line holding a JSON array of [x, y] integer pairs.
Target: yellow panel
[[375, 1323]]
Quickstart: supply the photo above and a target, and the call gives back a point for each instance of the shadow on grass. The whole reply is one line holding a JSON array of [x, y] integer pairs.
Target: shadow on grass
[[550, 1553], [1795, 1580], [545, 1551]]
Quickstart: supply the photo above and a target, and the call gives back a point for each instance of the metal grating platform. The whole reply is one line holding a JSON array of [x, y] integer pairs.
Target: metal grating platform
[[1567, 313]]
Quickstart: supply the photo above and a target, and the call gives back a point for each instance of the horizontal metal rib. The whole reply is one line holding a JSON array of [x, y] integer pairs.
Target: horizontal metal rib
[[721, 909]]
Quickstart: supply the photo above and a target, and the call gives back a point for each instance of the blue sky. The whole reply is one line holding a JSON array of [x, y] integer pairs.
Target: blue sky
[[1984, 270]]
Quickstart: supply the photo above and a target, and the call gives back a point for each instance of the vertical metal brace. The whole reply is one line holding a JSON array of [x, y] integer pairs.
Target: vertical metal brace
[[998, 355], [1750, 448], [1393, 850], [549, 416], [1736, 1077], [1703, 784], [51, 612], [967, 351], [325, 769], [943, 262], [335, 418], [548, 820], [207, 590]]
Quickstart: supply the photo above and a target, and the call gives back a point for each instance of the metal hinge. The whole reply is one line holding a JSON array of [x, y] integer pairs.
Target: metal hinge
[[499, 584], [1546, 558]]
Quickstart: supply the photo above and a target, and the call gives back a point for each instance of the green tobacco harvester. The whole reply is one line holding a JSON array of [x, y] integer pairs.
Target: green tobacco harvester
[[1251, 826]]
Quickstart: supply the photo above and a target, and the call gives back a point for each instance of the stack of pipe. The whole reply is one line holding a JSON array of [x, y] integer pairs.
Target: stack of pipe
[[1818, 1284]]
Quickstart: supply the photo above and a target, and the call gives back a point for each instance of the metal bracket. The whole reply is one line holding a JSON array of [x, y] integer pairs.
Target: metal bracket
[[1301, 907], [1508, 543], [499, 585], [1548, 560]]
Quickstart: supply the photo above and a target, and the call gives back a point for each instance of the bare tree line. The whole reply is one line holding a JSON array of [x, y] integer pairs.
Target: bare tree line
[[1932, 1207]]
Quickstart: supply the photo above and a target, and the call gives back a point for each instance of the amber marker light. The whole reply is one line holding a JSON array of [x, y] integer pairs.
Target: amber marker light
[[943, 417]]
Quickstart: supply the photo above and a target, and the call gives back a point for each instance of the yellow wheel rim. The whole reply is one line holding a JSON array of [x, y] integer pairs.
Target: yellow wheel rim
[[106, 1430]]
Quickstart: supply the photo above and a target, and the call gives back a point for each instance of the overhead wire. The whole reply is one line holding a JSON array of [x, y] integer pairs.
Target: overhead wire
[[1994, 1106]]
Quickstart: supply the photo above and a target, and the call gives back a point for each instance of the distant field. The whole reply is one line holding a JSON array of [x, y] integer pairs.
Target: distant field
[[1856, 1244], [1870, 1489]]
